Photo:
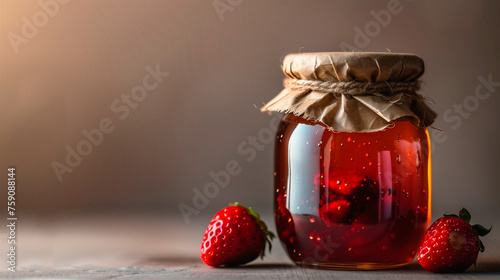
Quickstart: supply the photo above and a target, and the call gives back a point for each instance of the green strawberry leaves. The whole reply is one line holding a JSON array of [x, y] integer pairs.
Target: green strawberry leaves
[[480, 230], [464, 215]]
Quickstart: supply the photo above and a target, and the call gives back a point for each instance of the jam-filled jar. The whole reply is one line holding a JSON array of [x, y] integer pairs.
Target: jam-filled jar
[[352, 160]]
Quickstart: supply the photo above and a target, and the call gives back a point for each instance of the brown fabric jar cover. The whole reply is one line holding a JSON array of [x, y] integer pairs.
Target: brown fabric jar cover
[[352, 91]]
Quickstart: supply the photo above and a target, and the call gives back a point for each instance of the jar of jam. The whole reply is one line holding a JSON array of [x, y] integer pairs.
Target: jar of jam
[[352, 160]]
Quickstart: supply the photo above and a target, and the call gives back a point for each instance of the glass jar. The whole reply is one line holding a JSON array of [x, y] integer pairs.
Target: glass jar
[[350, 199]]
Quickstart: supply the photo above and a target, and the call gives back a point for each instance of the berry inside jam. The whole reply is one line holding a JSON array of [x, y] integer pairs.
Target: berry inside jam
[[351, 200]]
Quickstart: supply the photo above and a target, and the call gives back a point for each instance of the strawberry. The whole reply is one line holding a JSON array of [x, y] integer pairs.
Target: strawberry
[[342, 182], [335, 212], [234, 236], [284, 220], [346, 184], [402, 229], [451, 244], [346, 196]]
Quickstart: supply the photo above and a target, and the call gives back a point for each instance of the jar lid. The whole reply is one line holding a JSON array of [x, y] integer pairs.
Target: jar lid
[[349, 66], [353, 91]]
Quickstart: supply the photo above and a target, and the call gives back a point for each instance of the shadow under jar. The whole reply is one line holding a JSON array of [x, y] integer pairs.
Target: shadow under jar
[[350, 198]]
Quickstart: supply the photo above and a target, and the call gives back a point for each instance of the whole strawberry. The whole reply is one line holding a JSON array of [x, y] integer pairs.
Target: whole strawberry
[[451, 244], [235, 236]]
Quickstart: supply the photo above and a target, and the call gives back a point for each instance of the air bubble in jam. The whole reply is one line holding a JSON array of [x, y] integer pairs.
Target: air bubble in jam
[[398, 158], [359, 208]]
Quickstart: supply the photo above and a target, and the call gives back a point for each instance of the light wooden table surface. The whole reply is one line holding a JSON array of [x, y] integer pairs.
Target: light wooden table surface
[[158, 245]]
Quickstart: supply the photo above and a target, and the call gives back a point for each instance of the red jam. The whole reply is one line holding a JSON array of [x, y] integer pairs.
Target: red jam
[[351, 200]]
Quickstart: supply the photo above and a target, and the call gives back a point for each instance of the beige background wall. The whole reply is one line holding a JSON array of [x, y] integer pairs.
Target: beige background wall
[[76, 63]]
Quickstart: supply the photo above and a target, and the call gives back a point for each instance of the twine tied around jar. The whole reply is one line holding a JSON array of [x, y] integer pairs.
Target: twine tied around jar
[[354, 88]]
